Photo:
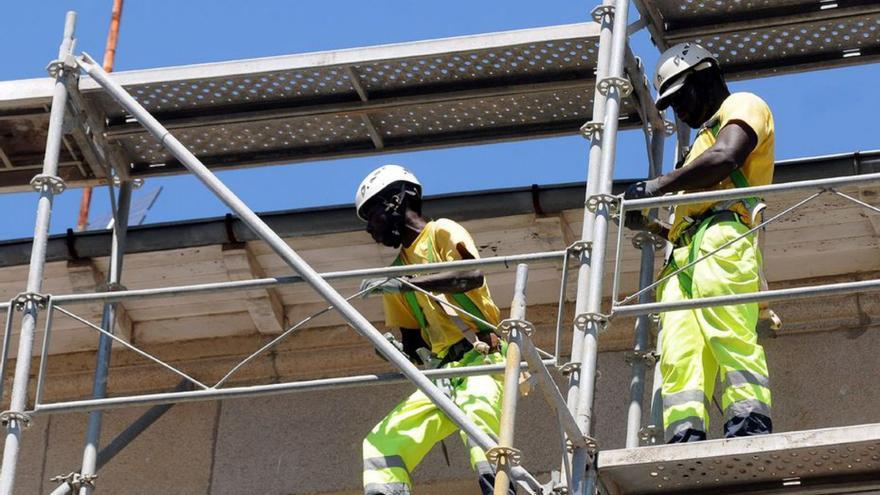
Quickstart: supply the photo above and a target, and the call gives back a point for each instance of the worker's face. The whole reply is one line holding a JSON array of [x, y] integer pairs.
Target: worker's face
[[384, 223], [690, 105]]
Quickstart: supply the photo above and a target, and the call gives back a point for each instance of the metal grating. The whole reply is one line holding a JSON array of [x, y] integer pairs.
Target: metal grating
[[763, 37], [786, 462], [467, 90]]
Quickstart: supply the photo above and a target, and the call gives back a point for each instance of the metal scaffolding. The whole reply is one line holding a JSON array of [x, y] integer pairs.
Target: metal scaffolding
[[620, 97]]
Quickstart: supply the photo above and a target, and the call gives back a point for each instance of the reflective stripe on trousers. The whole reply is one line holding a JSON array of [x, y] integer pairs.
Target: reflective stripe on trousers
[[698, 343], [398, 443]]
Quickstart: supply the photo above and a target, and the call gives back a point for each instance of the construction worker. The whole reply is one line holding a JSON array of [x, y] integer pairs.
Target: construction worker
[[734, 147], [389, 201]]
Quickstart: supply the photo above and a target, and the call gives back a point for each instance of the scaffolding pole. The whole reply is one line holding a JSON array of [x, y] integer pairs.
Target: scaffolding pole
[[48, 184], [286, 253], [578, 459], [506, 456], [108, 323], [584, 474]]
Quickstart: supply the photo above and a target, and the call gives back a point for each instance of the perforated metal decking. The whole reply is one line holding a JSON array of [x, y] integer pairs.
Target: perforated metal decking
[[473, 89], [832, 460], [754, 38]]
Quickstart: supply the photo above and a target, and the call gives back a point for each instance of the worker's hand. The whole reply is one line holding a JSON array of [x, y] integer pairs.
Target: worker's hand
[[383, 285], [491, 339], [635, 219]]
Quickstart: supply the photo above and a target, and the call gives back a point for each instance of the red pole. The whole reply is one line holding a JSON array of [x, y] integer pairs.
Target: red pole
[[109, 57]]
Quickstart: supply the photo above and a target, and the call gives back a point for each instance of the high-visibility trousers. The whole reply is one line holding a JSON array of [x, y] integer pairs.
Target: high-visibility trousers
[[697, 343], [398, 443]]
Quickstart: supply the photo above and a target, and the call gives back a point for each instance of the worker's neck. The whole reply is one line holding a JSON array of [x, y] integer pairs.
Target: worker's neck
[[715, 98], [412, 227]]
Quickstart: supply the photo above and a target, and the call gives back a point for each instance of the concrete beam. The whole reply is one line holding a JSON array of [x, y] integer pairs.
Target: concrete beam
[[264, 305], [86, 276]]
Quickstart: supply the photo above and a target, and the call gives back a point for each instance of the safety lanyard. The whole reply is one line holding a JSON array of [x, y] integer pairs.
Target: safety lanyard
[[464, 302]]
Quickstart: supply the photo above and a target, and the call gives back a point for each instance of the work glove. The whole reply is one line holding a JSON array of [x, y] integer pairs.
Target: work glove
[[635, 219], [393, 340], [382, 285], [490, 343]]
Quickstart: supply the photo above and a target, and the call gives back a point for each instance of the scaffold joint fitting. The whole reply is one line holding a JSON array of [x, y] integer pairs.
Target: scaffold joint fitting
[[19, 416], [624, 87], [643, 238], [506, 455], [21, 300], [135, 183], [590, 128], [110, 287], [507, 327], [651, 435], [76, 480], [588, 442], [668, 127], [580, 250], [601, 11], [647, 357], [55, 183], [569, 368], [59, 66], [611, 201], [583, 320]]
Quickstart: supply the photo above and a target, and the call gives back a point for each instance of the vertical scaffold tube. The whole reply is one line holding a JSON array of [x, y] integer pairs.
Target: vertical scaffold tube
[[351, 315], [108, 323], [595, 154], [511, 379], [584, 477], [18, 401], [643, 323]]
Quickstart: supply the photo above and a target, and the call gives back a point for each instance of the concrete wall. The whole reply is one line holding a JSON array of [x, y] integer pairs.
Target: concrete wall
[[310, 442]]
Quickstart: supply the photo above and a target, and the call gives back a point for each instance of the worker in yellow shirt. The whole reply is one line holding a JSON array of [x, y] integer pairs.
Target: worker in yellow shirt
[[389, 200], [734, 147]]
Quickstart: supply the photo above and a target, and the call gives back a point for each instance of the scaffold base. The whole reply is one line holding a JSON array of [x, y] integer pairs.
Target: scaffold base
[[831, 460]]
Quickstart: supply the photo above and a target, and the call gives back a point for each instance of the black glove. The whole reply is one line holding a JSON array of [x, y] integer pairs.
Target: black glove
[[635, 219]]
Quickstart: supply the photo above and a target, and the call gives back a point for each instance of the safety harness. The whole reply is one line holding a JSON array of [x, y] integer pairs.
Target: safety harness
[[457, 350], [721, 212]]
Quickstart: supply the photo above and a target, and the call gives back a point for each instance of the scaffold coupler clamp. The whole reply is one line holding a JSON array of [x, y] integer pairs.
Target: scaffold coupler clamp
[[569, 368], [509, 326], [590, 129], [610, 201], [648, 357], [651, 435], [588, 442], [622, 84], [600, 12], [668, 127], [580, 250], [76, 480], [508, 456], [583, 320], [643, 238], [110, 287], [58, 67], [56, 184], [135, 183], [21, 300], [20, 417]]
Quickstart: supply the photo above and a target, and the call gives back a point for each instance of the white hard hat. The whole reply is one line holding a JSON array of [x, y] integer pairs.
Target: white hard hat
[[378, 180], [675, 64]]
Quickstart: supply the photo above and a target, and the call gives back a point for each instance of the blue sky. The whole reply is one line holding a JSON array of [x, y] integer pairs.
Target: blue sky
[[816, 113]]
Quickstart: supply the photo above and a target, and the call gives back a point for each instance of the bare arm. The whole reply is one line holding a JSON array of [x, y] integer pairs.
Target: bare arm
[[733, 145], [451, 282]]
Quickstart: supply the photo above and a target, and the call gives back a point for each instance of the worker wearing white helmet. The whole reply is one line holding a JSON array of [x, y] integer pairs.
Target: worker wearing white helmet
[[389, 201], [734, 147]]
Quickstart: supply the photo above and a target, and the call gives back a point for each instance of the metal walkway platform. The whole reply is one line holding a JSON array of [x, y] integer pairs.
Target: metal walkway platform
[[472, 89], [758, 38], [832, 460]]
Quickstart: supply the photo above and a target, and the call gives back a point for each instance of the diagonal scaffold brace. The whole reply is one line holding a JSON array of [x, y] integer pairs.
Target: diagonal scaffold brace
[[356, 320]]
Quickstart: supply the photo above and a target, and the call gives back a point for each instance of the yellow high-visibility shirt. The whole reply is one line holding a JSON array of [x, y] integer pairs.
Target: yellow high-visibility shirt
[[439, 241], [758, 168]]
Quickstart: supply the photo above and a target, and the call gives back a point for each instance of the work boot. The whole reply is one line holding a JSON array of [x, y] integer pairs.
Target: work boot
[[688, 435], [746, 426]]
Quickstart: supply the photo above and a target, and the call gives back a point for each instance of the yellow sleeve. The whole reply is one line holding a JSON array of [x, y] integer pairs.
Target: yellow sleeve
[[448, 235], [397, 312], [750, 110]]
